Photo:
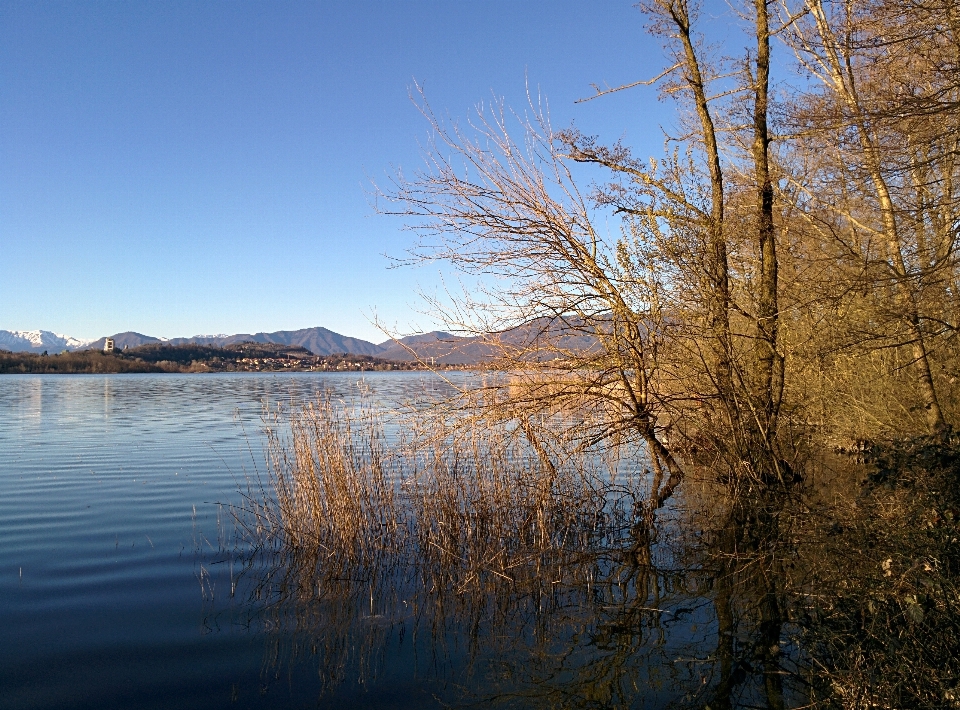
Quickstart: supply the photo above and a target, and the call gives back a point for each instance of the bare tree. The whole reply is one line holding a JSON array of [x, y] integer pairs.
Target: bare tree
[[574, 326], [671, 332], [728, 134]]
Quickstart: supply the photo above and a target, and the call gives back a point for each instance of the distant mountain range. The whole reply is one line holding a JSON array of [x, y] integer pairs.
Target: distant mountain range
[[36, 341], [319, 341], [438, 346]]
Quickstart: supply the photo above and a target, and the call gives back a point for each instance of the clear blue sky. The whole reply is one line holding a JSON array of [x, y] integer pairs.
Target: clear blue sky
[[178, 168]]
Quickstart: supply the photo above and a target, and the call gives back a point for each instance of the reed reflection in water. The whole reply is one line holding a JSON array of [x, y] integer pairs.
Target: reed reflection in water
[[494, 569]]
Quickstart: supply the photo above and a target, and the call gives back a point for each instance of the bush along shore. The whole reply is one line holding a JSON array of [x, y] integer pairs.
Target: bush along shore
[[239, 357]]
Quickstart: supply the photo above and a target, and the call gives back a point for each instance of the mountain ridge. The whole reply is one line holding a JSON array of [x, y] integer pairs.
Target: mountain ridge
[[437, 346], [318, 340], [38, 341]]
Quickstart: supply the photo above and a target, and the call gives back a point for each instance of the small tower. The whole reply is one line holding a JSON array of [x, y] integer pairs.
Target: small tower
[[108, 345]]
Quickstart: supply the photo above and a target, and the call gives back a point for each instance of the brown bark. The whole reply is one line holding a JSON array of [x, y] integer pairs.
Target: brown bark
[[717, 267], [769, 362]]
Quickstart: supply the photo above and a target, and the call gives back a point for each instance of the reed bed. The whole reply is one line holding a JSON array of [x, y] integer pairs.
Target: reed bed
[[333, 483], [486, 544], [459, 500]]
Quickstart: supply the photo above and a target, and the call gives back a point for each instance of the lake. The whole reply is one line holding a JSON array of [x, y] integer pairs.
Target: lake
[[123, 585], [109, 488]]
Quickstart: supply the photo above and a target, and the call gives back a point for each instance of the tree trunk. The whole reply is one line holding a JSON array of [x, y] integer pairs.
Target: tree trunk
[[769, 362]]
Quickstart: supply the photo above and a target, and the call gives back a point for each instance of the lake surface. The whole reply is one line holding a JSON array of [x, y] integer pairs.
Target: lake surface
[[117, 591], [110, 511]]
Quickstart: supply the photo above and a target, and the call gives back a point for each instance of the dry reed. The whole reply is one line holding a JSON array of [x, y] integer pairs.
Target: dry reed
[[454, 499], [374, 526], [333, 482]]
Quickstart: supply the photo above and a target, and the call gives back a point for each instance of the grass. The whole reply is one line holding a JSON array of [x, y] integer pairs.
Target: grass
[[492, 552]]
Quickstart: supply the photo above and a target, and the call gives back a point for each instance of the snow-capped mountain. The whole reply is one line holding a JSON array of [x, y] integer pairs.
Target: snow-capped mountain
[[37, 341]]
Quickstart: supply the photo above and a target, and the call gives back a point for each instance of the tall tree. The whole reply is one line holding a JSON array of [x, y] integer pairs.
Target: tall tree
[[738, 307]]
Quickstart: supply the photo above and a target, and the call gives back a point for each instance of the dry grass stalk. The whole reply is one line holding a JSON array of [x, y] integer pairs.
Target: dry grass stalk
[[459, 503], [333, 485]]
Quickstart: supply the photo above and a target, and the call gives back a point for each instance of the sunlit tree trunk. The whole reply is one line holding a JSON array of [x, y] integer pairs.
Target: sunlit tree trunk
[[769, 360], [717, 267]]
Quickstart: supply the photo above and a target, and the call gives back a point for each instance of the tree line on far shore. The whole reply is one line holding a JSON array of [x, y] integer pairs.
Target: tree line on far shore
[[238, 357]]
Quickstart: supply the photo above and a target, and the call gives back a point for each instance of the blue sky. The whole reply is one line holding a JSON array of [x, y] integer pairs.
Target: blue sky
[[178, 168]]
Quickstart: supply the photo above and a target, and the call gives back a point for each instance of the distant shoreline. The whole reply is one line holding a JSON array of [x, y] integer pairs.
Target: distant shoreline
[[178, 359]]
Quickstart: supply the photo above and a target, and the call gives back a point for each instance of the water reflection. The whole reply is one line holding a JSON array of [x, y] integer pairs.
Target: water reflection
[[688, 612], [29, 401], [844, 596]]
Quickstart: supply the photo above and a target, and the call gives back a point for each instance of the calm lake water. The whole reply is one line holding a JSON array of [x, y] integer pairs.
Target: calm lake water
[[117, 593], [110, 501]]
